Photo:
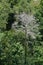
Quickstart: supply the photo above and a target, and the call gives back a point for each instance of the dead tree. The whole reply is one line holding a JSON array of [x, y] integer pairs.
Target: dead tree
[[29, 25]]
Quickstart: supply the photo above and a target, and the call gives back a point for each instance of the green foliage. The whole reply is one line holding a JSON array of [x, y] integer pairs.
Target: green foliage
[[12, 42], [11, 6], [11, 52], [39, 17]]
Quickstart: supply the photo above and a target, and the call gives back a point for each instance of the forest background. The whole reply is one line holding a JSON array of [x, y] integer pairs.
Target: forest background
[[15, 47]]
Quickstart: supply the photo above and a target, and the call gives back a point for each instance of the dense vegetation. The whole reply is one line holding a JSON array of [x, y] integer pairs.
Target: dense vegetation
[[21, 42]]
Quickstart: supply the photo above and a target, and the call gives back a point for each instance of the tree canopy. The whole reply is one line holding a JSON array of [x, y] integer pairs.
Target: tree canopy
[[21, 32]]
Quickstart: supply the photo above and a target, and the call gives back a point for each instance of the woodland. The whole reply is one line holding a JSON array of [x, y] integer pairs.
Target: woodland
[[21, 32]]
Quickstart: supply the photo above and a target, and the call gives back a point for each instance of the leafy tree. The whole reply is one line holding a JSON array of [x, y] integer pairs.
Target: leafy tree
[[39, 19], [11, 50], [11, 6], [12, 41]]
